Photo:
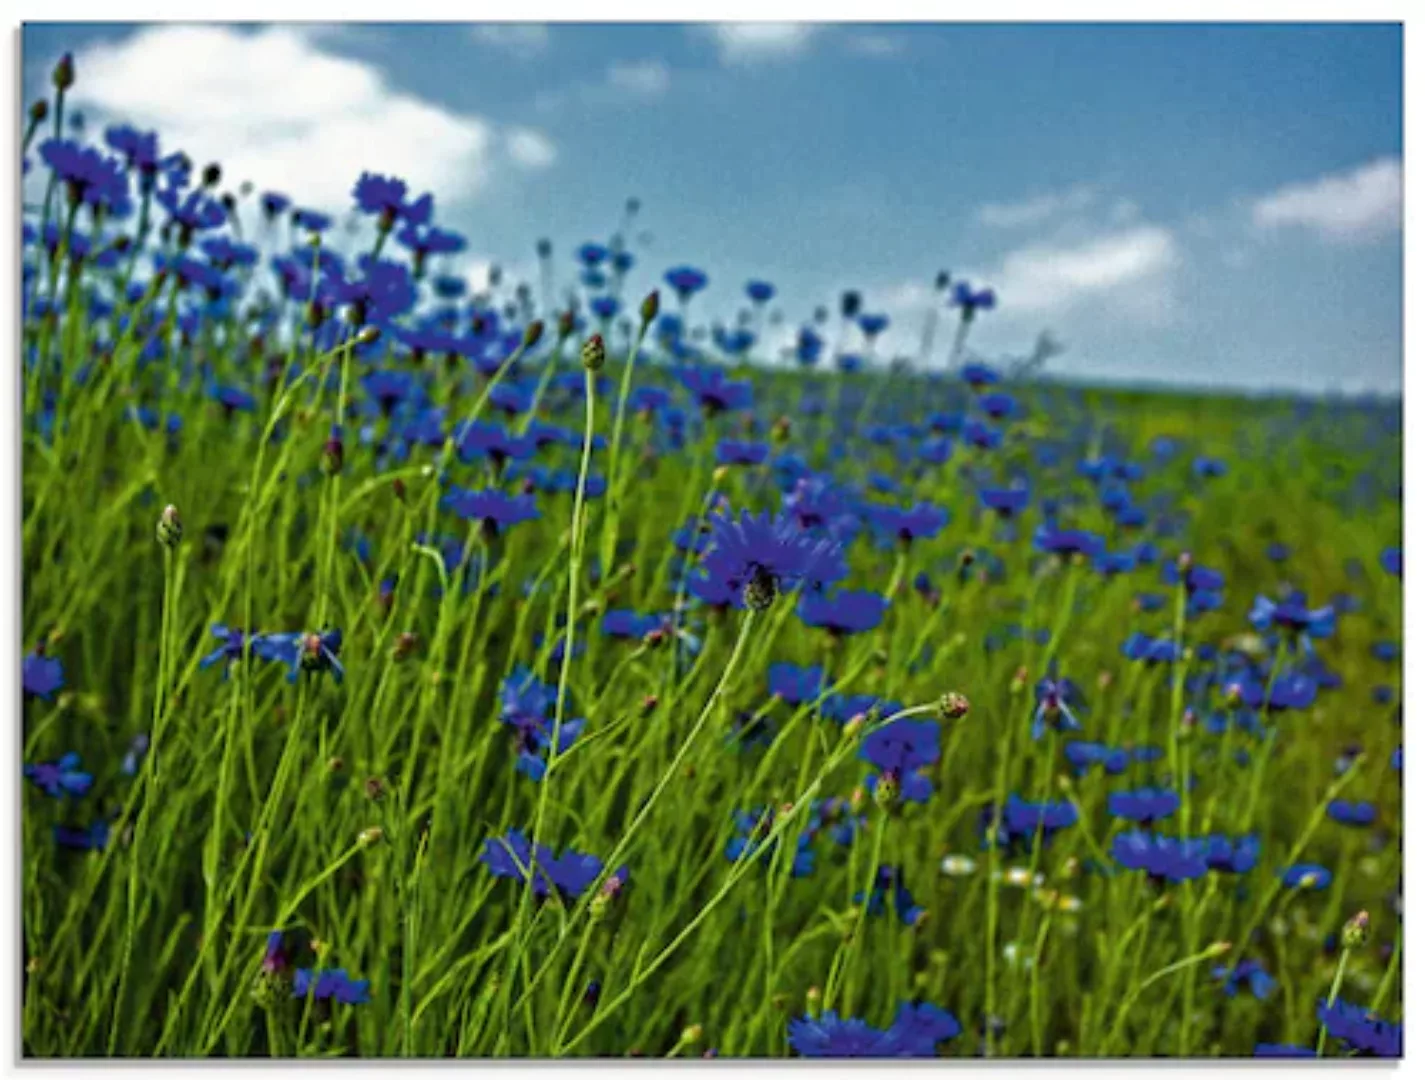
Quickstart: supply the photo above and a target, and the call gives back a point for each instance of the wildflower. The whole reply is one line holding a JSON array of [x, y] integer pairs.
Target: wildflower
[[95, 837], [62, 777], [1164, 858], [1053, 697], [957, 866], [796, 685], [568, 875], [1390, 561], [920, 521], [1020, 820], [1306, 876], [916, 1031], [493, 509], [731, 452], [759, 292], [1349, 813], [714, 392], [970, 300], [685, 281], [385, 198], [1294, 616], [752, 828], [899, 750], [760, 557], [41, 675], [1006, 502], [138, 747], [1067, 542], [1140, 646], [274, 958], [1282, 1050], [630, 624], [847, 612], [331, 984], [978, 376], [1359, 1029], [1145, 805], [890, 879], [302, 652], [1249, 974]]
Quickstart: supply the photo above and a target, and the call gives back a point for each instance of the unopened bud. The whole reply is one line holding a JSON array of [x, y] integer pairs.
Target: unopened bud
[[170, 527], [592, 354], [368, 335], [38, 111], [952, 705], [1219, 948], [814, 1002], [565, 324], [888, 792], [375, 789], [648, 310], [693, 1033], [63, 76], [532, 333], [1357, 930]]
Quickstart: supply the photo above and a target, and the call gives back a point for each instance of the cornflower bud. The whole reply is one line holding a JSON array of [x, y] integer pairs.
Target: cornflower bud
[[592, 354], [170, 527]]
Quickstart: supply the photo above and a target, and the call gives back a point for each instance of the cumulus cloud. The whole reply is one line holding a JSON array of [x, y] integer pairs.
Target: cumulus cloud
[[1360, 204], [277, 107], [755, 42], [529, 149], [523, 40], [1128, 269], [1036, 209], [647, 78]]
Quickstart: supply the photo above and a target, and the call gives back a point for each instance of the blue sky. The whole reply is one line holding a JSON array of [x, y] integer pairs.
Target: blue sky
[[1213, 205]]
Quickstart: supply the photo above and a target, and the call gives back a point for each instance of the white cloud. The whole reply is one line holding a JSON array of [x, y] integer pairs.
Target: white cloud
[[1037, 208], [1360, 204], [524, 40], [529, 149], [753, 42], [276, 107], [1128, 270], [647, 78]]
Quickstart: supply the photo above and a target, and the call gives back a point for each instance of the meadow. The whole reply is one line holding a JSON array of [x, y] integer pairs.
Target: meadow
[[423, 667]]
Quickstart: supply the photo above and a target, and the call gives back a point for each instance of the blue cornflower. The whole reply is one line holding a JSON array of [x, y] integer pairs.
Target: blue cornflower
[[1020, 820], [274, 203], [385, 198], [922, 520], [1282, 1050], [1294, 616], [1306, 876], [1163, 857], [1290, 690], [493, 509], [94, 837], [1053, 698], [41, 675], [274, 957], [916, 1031], [970, 300], [752, 828], [302, 652], [1247, 973], [1206, 467], [999, 406], [978, 375], [1145, 806], [1151, 650], [1226, 855], [568, 875], [796, 685], [759, 292], [1349, 813], [851, 611], [630, 624], [685, 281], [1083, 755], [139, 148], [138, 747], [1360, 1029], [766, 556], [62, 777], [873, 325], [89, 176], [331, 984], [311, 220], [899, 750], [648, 399], [732, 452], [1006, 502], [476, 440], [890, 879], [194, 212], [1390, 560], [713, 391], [1066, 542]]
